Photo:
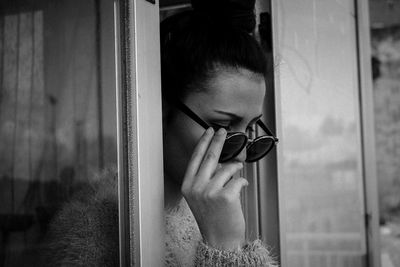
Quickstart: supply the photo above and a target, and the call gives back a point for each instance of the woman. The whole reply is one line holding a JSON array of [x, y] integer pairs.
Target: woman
[[213, 82]]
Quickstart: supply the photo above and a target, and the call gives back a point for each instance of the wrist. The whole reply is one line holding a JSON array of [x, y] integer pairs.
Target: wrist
[[226, 245]]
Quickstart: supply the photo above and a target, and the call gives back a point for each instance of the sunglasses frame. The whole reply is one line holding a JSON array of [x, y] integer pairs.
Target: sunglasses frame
[[185, 109]]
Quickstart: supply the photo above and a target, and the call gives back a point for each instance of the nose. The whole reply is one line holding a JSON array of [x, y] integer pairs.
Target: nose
[[241, 157]]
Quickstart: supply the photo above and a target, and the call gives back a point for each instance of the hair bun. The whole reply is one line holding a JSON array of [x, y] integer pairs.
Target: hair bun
[[238, 13]]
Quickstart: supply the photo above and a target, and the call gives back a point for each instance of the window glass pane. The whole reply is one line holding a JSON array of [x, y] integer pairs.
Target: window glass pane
[[385, 44], [57, 114], [321, 141]]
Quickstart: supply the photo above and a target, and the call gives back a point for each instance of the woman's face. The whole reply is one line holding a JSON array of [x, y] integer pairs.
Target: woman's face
[[233, 99]]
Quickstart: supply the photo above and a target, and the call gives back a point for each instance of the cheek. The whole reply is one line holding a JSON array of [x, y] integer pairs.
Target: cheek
[[179, 143]]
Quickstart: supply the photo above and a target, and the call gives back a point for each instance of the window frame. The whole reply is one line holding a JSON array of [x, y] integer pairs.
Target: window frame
[[368, 134], [140, 163], [366, 117], [140, 180]]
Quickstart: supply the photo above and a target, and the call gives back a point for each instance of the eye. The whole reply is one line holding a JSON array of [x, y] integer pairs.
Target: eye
[[226, 126]]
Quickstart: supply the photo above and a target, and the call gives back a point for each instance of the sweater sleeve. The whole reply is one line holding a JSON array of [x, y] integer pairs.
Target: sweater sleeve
[[85, 231], [252, 254], [84, 235]]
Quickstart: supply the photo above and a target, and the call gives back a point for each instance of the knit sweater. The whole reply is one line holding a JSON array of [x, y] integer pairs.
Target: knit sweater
[[85, 233]]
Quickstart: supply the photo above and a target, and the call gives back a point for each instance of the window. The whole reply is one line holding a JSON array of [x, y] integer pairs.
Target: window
[[58, 114], [324, 167], [80, 82], [385, 51]]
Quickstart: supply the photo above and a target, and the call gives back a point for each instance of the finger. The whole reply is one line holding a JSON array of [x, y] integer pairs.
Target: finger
[[210, 161], [223, 175], [235, 185], [197, 156]]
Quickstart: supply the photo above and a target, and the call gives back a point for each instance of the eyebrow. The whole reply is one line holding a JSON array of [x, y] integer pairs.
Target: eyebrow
[[236, 117]]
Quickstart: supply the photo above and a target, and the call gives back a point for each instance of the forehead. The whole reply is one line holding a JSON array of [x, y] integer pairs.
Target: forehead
[[238, 91]]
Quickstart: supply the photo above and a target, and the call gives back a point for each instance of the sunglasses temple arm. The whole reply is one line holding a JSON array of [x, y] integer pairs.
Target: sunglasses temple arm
[[192, 115], [267, 130]]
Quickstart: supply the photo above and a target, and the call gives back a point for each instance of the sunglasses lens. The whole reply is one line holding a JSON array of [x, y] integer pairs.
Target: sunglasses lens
[[259, 148], [232, 146]]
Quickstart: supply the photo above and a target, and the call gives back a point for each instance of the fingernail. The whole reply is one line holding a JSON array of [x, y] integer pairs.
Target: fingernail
[[221, 131], [210, 130]]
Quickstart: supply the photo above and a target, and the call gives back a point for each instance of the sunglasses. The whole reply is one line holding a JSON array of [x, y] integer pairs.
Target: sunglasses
[[236, 141]]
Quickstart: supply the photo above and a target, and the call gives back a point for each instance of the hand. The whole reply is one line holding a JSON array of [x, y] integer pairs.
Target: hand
[[213, 195]]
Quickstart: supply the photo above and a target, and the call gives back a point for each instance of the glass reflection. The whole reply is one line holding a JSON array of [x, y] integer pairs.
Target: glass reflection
[[57, 114], [321, 135]]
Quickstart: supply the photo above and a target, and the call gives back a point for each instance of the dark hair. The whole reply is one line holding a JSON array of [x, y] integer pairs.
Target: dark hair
[[194, 46]]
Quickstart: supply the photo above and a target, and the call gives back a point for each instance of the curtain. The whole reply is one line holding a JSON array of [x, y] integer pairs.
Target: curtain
[[51, 114]]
